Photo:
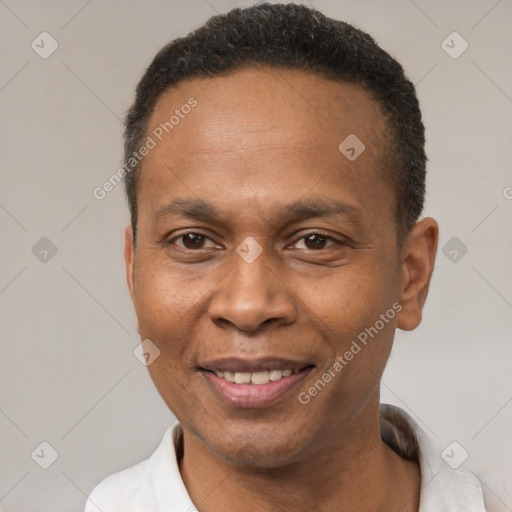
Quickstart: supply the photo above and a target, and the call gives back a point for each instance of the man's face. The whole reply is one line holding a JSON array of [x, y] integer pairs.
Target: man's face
[[258, 157]]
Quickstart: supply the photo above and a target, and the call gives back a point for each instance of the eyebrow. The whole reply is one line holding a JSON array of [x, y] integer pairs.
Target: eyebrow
[[315, 208], [293, 212], [192, 208]]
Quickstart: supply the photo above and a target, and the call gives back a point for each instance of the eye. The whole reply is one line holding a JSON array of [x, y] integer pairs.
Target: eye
[[192, 241], [315, 241]]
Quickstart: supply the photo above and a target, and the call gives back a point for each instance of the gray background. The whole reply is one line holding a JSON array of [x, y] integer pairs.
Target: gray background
[[68, 373]]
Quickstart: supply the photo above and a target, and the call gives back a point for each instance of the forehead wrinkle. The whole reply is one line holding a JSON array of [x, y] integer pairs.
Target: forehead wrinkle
[[238, 148]]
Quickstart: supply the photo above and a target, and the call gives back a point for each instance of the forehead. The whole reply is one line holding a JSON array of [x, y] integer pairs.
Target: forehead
[[258, 128], [294, 103]]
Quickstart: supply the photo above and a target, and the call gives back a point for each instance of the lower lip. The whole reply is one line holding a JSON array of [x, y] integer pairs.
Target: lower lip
[[254, 395]]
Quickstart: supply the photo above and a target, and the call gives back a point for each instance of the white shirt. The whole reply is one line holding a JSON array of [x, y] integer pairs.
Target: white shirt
[[155, 485]]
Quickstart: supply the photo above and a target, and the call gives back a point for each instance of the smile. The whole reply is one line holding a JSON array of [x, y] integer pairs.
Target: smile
[[257, 378], [246, 384]]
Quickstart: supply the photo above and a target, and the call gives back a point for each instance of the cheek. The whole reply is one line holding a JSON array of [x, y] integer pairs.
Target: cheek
[[160, 298], [359, 340], [355, 315], [165, 308], [353, 299]]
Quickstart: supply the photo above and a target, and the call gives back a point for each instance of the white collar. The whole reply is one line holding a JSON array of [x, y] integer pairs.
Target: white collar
[[156, 485], [443, 489]]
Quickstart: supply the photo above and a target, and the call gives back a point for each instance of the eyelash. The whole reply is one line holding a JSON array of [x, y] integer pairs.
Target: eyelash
[[172, 241]]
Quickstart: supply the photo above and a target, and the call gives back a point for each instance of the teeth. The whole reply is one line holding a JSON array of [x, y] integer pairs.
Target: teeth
[[242, 378], [276, 374], [255, 377], [260, 377], [229, 376]]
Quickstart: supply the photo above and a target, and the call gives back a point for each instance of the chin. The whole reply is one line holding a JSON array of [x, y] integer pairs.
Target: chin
[[257, 446]]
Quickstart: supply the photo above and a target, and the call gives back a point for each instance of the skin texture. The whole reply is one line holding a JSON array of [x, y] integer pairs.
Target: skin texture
[[258, 141]]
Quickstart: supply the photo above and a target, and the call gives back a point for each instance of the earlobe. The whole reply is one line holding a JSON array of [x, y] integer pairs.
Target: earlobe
[[129, 258], [418, 259]]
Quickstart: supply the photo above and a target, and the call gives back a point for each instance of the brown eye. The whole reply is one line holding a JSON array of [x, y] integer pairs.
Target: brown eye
[[315, 241], [192, 241]]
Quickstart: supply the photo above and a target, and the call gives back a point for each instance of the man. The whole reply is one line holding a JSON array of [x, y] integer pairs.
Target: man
[[275, 172]]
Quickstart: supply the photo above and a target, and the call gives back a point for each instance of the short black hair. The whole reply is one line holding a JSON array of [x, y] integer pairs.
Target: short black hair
[[291, 36]]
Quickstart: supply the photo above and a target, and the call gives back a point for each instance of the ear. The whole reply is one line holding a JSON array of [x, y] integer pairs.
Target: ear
[[418, 257], [129, 258]]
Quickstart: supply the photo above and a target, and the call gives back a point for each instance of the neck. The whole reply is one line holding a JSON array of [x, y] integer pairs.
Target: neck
[[353, 472]]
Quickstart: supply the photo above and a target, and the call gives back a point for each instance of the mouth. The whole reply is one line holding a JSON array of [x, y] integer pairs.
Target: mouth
[[260, 383]]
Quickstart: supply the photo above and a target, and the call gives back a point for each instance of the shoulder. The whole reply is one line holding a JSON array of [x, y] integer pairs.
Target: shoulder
[[122, 491], [132, 489], [497, 490], [446, 484], [478, 489]]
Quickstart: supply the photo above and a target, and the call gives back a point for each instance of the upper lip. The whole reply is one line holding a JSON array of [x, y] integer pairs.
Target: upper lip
[[236, 364]]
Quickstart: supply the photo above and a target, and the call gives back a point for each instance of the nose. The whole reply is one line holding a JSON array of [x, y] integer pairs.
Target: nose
[[250, 295]]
